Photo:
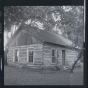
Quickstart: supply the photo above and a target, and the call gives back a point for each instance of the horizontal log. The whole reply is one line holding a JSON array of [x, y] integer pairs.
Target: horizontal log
[[23, 53], [71, 56], [40, 53], [71, 53], [38, 64], [9, 57], [47, 47], [23, 61], [38, 61], [26, 46], [38, 49], [59, 58], [38, 58], [9, 60], [47, 56], [10, 54], [30, 49], [47, 53], [22, 57], [38, 46], [23, 49], [10, 50]]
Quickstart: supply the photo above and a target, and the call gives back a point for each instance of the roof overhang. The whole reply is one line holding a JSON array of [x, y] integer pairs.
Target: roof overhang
[[69, 47]]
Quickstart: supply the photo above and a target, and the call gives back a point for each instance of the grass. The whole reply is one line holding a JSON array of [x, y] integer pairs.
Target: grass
[[19, 76]]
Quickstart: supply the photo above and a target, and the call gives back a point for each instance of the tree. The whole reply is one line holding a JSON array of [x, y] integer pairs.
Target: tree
[[78, 58], [66, 20], [71, 18]]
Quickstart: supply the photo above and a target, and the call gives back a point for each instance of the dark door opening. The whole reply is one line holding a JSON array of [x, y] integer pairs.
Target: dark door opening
[[63, 57]]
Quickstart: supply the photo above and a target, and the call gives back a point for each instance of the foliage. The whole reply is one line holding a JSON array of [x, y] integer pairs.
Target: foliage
[[67, 20]]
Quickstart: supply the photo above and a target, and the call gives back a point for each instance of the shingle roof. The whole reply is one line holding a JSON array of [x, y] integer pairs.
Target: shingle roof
[[53, 38], [46, 36]]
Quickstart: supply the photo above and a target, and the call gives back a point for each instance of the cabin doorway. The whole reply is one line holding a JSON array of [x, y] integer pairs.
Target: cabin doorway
[[63, 57], [16, 55]]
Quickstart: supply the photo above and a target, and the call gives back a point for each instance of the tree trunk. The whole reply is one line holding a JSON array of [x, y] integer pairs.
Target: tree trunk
[[79, 57]]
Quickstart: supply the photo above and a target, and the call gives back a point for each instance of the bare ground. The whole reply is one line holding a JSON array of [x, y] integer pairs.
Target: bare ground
[[19, 76]]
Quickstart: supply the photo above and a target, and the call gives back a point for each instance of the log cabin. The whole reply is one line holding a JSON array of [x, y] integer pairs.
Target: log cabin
[[35, 48]]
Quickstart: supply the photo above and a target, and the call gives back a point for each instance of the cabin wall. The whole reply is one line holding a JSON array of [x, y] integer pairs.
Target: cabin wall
[[23, 54], [48, 55], [38, 55], [42, 55], [10, 55], [70, 55]]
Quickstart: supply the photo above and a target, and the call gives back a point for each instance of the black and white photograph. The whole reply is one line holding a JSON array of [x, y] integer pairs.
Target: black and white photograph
[[44, 45]]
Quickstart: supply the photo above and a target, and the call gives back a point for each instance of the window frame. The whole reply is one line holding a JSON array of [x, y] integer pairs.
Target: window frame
[[53, 56], [28, 54]]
